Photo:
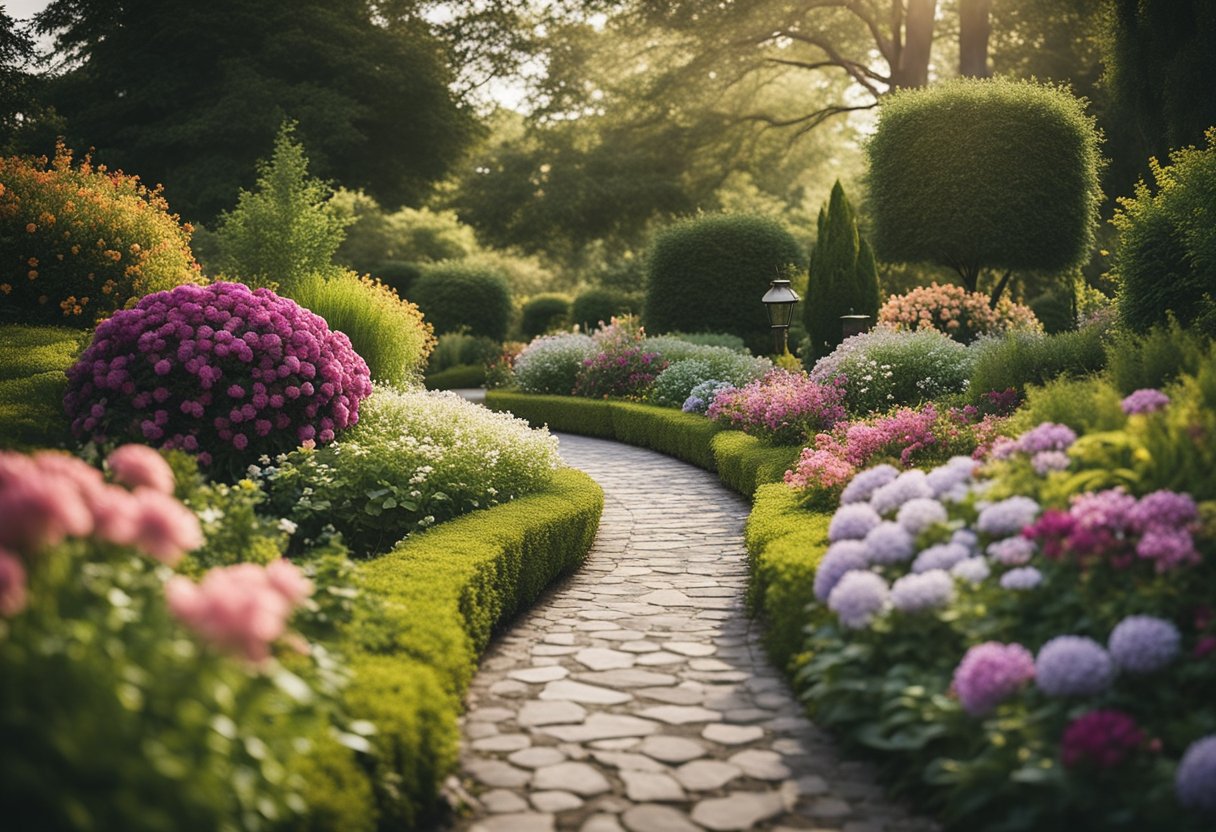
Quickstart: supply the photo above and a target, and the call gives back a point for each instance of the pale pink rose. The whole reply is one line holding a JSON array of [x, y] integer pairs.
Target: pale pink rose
[[12, 584], [139, 465]]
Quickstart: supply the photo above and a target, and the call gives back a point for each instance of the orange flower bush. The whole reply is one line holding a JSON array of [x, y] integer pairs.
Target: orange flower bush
[[962, 315], [78, 242]]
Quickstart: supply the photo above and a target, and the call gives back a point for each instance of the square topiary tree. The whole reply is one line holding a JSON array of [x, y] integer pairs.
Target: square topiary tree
[[973, 174]]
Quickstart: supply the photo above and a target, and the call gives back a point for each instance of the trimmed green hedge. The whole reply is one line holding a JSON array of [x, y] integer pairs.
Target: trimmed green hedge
[[745, 462], [442, 593], [456, 378], [33, 365]]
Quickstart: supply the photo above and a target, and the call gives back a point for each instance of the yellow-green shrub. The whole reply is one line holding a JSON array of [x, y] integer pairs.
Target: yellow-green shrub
[[78, 242]]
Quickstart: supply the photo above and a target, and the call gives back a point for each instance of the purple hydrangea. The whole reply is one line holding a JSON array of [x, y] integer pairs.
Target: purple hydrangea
[[857, 598], [990, 673], [1012, 551], [1073, 666], [922, 591], [940, 556], [866, 482], [946, 478], [1021, 579], [972, 570], [1110, 510], [218, 369], [919, 514], [853, 522], [1168, 548], [1045, 462], [1007, 517], [840, 558], [1195, 780], [1144, 643], [907, 486], [889, 543], [1164, 508], [1145, 400], [1047, 436], [968, 538]]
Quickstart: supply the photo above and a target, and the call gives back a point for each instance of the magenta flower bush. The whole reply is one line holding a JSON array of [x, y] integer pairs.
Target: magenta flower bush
[[962, 315], [990, 673], [783, 407], [1102, 738], [626, 373], [220, 371]]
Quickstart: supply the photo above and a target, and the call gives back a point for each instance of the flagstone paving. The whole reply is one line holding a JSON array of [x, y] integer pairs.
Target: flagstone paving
[[636, 696]]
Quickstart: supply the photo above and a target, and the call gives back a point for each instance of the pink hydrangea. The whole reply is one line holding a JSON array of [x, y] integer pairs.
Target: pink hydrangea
[[240, 609], [1103, 738], [990, 673], [962, 315], [140, 466]]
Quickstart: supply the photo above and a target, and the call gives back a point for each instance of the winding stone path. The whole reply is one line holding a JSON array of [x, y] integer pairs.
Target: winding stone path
[[636, 696]]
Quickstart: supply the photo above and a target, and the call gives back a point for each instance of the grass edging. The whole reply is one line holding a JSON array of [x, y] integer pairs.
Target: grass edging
[[784, 540], [443, 593]]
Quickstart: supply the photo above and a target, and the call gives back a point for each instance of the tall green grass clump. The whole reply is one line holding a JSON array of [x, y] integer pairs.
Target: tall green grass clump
[[388, 332], [1156, 357], [1020, 359]]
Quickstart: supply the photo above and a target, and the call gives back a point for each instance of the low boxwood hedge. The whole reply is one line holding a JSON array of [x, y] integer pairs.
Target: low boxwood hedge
[[745, 462], [456, 378]]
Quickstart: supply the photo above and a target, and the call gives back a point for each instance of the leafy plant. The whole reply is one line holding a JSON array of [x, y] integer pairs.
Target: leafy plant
[[1020, 359], [456, 297], [542, 313], [552, 364]]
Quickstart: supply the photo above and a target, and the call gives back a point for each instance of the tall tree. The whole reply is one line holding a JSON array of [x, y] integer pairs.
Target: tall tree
[[843, 275], [974, 29], [190, 94]]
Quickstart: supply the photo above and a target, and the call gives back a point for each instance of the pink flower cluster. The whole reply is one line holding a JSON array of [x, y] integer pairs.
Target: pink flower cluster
[[216, 370], [783, 406], [1103, 738], [990, 673], [1115, 526], [240, 609], [820, 470], [962, 315], [627, 373], [49, 497]]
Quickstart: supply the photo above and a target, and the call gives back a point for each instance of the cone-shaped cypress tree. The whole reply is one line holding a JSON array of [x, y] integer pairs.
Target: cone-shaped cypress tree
[[843, 274]]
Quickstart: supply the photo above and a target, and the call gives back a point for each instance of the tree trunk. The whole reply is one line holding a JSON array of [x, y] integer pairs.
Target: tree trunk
[[999, 289], [913, 69], [973, 30]]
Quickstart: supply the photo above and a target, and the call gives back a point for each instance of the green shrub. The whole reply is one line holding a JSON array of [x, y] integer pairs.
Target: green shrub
[[745, 462], [413, 460], [725, 364], [1156, 357], [682, 435], [1055, 309], [843, 275], [285, 230], [709, 273], [456, 349], [552, 364], [673, 386], [460, 377], [1019, 359], [712, 339], [1085, 404], [595, 306], [1166, 256], [984, 173], [33, 379], [399, 275], [784, 546], [443, 593], [544, 313], [77, 243], [454, 296], [586, 417], [386, 331]]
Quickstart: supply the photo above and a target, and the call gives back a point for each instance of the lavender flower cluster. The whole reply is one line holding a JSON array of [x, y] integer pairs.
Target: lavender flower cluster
[[221, 371]]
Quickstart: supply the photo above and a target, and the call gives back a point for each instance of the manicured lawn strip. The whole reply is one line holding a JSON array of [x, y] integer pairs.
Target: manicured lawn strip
[[33, 363], [443, 593]]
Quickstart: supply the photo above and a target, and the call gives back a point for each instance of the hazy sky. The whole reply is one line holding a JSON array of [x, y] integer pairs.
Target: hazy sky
[[24, 8]]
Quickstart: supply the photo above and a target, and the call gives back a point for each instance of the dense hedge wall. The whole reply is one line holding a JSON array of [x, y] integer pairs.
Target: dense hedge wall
[[745, 462], [442, 593], [453, 296]]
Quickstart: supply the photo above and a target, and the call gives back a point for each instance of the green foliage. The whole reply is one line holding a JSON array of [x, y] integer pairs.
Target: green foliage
[[387, 332], [673, 386], [375, 236], [724, 364], [984, 173], [444, 592], [206, 85], [79, 242], [785, 543], [1156, 357], [285, 230], [1019, 359], [1166, 257], [682, 435], [399, 275], [1055, 309], [543, 313], [457, 377], [592, 307], [745, 462], [563, 413], [456, 349], [709, 273], [33, 379], [843, 275], [1088, 403], [413, 460], [552, 364], [455, 296], [712, 339]]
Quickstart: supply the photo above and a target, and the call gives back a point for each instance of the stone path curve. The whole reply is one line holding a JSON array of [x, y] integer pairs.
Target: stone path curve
[[636, 695]]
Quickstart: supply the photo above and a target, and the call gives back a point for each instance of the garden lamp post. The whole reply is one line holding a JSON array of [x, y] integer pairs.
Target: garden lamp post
[[779, 302]]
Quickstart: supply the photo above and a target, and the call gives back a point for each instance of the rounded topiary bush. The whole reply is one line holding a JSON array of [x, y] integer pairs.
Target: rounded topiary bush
[[222, 371], [552, 364], [543, 313], [399, 275], [599, 306], [709, 273], [78, 242], [454, 296], [1166, 257]]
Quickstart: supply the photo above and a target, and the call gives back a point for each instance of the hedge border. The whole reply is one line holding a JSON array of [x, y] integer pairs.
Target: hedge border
[[785, 541], [442, 594]]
